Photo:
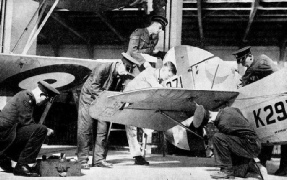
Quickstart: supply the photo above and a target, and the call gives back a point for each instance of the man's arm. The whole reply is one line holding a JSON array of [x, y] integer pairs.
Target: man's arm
[[265, 64], [98, 77], [263, 67], [148, 76], [25, 110], [145, 79]]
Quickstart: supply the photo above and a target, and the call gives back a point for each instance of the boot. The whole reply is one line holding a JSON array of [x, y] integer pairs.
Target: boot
[[281, 172], [252, 167], [103, 163], [224, 173], [5, 164], [139, 160], [24, 170]]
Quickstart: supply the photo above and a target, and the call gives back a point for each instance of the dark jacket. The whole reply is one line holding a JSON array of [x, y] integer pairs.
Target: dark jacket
[[141, 42], [231, 121], [16, 113], [260, 68], [102, 78]]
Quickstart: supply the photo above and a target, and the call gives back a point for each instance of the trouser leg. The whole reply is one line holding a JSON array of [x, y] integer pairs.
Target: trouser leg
[[28, 143], [265, 154], [85, 125], [222, 154], [100, 152], [225, 146], [283, 160], [134, 146], [197, 147]]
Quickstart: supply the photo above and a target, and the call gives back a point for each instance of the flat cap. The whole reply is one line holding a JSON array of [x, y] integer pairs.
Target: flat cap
[[160, 19], [129, 58], [242, 52], [48, 89]]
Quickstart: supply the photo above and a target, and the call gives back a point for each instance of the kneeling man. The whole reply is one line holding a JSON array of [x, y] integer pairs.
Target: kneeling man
[[235, 145], [21, 137]]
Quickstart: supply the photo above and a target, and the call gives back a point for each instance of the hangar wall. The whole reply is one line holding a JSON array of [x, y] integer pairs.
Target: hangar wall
[[114, 52]]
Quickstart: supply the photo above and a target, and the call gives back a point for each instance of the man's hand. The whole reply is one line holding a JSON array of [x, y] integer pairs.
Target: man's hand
[[147, 64], [50, 132]]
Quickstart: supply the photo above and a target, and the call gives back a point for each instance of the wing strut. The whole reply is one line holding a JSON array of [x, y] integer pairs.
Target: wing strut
[[35, 34], [180, 124]]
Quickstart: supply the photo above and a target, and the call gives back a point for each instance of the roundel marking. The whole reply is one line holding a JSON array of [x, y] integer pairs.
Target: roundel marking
[[61, 76], [56, 79]]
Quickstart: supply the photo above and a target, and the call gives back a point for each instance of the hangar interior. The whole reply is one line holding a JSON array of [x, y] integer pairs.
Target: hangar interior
[[218, 26]]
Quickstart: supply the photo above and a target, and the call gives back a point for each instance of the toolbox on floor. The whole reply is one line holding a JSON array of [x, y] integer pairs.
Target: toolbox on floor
[[58, 168]]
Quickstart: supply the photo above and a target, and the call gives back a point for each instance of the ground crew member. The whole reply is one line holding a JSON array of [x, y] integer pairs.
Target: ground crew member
[[150, 77], [235, 145], [21, 137], [141, 52], [141, 48], [104, 77], [256, 70]]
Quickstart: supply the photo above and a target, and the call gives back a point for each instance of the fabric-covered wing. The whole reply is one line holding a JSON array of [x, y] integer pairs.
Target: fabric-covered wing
[[154, 108], [18, 72]]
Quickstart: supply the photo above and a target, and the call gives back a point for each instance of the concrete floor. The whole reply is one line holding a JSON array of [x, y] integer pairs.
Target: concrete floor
[[160, 168]]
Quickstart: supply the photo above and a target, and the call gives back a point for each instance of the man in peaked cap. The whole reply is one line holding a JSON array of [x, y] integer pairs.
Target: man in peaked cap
[[241, 54], [160, 19], [141, 49], [104, 77], [235, 144], [256, 68], [21, 137]]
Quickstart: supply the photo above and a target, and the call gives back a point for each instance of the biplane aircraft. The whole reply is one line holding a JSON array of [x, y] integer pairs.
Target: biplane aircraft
[[202, 79], [206, 80]]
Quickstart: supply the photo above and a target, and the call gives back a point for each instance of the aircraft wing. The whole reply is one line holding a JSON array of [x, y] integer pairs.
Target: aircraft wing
[[19, 72], [155, 108]]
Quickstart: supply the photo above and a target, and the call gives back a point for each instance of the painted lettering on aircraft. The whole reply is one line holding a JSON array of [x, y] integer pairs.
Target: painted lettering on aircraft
[[175, 82], [281, 130], [275, 113]]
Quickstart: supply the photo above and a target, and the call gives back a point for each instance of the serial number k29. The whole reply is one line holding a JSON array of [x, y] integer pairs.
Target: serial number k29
[[270, 114]]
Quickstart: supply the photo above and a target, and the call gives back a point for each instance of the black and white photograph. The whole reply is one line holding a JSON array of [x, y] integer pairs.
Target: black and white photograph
[[143, 89]]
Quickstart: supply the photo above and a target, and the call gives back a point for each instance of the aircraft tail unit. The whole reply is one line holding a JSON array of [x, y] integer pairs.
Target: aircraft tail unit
[[264, 104]]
